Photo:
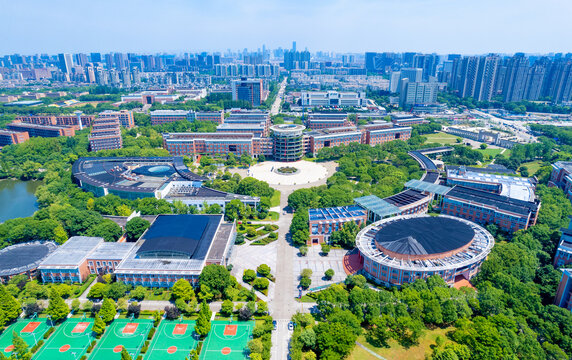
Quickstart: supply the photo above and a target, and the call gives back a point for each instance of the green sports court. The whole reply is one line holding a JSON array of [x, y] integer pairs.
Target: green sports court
[[31, 330], [173, 340], [70, 341], [122, 333], [227, 340]]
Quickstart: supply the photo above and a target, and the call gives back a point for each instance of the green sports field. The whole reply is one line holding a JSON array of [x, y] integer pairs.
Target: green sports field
[[227, 340], [130, 334], [70, 341], [172, 341], [30, 330]]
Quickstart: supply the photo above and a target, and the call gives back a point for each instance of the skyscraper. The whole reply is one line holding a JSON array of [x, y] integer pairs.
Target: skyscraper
[[294, 46], [248, 90], [515, 78], [66, 63]]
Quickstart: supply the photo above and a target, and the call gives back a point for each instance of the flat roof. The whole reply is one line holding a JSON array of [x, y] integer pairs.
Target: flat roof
[[334, 213], [378, 206], [20, 258], [169, 112], [424, 235], [495, 200], [427, 186], [72, 252], [405, 198], [111, 250], [185, 235]]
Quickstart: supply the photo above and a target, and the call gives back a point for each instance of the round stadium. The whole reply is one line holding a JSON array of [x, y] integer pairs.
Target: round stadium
[[401, 249], [23, 258]]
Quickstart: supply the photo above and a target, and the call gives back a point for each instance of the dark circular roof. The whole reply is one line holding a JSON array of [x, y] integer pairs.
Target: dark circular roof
[[424, 235], [19, 258]]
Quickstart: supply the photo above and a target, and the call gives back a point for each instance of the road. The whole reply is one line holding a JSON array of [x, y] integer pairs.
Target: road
[[276, 106]]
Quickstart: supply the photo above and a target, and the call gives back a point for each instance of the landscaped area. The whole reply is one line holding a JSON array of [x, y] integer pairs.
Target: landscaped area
[[442, 138], [287, 170]]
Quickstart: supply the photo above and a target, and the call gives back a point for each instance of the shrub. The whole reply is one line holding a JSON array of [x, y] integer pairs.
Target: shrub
[[248, 276], [172, 313], [38, 345], [91, 346], [306, 273], [329, 274], [326, 249], [273, 236], [303, 250], [151, 333], [261, 283], [49, 332], [263, 270], [305, 282]]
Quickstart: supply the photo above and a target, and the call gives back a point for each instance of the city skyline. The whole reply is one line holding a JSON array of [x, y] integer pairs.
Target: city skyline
[[440, 26]]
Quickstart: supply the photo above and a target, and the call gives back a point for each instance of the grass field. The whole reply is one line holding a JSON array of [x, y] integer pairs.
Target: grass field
[[31, 331], [227, 340], [532, 166], [275, 199], [398, 352], [173, 341], [491, 152], [130, 334], [441, 138], [72, 339]]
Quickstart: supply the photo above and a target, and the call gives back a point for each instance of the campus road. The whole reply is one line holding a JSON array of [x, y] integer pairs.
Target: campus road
[[276, 105]]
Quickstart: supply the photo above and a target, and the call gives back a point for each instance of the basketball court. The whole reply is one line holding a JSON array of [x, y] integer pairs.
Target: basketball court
[[122, 333], [173, 340], [71, 337], [31, 330], [227, 340]]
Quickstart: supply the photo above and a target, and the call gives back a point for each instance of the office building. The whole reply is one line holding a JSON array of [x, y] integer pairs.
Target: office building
[[251, 91], [333, 99], [166, 116], [8, 137], [65, 63], [105, 134], [318, 121], [324, 221], [563, 296], [177, 247], [125, 117], [399, 250], [561, 177]]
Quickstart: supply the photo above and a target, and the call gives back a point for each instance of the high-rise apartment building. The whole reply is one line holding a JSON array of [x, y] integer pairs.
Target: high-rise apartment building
[[515, 78]]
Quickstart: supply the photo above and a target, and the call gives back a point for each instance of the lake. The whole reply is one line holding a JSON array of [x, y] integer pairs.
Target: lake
[[17, 198]]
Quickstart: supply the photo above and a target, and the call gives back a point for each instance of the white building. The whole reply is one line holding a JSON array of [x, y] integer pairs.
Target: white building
[[333, 98]]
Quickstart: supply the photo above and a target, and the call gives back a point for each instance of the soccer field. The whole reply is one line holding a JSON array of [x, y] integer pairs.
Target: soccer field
[[31, 330], [173, 340], [227, 340], [122, 333], [71, 340]]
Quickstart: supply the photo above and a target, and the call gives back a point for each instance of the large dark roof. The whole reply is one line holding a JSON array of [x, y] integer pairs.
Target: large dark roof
[[186, 236], [423, 160], [499, 201], [23, 257], [406, 197], [424, 235]]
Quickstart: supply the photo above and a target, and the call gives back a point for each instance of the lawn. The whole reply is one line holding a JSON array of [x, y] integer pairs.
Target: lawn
[[532, 166], [491, 152], [275, 199], [441, 138], [398, 352]]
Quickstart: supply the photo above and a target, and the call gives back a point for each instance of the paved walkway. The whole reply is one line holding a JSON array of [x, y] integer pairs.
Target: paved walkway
[[369, 351]]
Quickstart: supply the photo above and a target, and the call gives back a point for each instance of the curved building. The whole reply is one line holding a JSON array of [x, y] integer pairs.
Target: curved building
[[288, 142], [24, 258], [401, 249]]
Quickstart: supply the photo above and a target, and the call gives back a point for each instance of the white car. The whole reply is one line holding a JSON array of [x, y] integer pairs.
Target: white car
[[290, 326]]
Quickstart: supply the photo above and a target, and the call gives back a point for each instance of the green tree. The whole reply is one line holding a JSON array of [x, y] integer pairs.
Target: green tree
[[21, 349], [57, 308], [303, 250], [336, 338], [325, 248], [98, 325], [138, 293], [263, 270], [97, 291], [108, 310], [125, 355], [182, 289], [227, 307], [60, 235], [305, 282], [106, 229], [248, 275], [216, 277], [135, 228], [261, 307], [234, 210], [10, 308], [203, 324], [329, 274], [260, 283]]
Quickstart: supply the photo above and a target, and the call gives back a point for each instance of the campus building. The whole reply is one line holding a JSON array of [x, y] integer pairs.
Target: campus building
[[105, 134], [251, 117], [77, 120], [333, 99], [380, 136], [318, 121], [219, 143], [177, 247], [166, 116], [159, 177], [69, 261], [251, 90], [407, 120], [212, 116], [41, 130], [105, 258], [484, 207], [324, 221], [563, 296], [288, 144], [125, 117], [24, 259], [8, 137], [400, 250], [257, 129], [564, 251], [560, 177]]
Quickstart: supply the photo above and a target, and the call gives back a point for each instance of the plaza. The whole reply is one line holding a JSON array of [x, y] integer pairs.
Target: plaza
[[308, 172]]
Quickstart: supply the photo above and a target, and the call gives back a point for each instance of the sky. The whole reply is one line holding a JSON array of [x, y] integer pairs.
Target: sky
[[177, 26]]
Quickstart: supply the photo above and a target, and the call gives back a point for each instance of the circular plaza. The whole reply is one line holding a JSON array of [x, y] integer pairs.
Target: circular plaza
[[401, 249], [306, 172]]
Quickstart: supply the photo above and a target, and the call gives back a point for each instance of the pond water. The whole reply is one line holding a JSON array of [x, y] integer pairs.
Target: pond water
[[17, 198]]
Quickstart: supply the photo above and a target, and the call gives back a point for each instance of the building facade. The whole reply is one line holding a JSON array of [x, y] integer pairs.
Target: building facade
[[8, 137], [166, 116], [323, 222], [125, 117], [563, 296], [41, 130], [333, 99], [251, 90], [563, 254], [105, 134]]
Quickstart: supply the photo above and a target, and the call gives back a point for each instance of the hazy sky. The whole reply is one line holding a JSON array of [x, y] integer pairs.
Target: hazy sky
[[150, 26]]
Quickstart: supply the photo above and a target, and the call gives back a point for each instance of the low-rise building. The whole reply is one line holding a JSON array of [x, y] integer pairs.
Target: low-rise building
[[333, 99], [105, 258], [125, 117], [561, 177], [213, 116], [324, 221], [8, 137], [563, 296], [564, 251], [326, 121], [166, 116], [41, 130]]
